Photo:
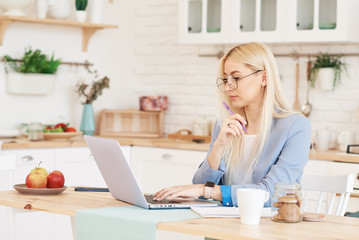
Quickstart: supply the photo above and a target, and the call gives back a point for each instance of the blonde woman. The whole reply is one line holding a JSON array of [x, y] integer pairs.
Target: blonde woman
[[264, 142]]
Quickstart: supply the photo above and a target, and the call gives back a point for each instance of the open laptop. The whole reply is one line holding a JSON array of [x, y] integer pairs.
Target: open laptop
[[122, 183]]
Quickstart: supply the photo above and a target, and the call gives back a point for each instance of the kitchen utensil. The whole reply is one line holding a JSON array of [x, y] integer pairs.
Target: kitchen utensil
[[322, 141], [345, 138], [7, 133], [186, 135], [307, 107], [296, 105]]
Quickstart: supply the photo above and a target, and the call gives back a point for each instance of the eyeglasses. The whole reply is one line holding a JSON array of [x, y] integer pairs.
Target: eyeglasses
[[232, 81]]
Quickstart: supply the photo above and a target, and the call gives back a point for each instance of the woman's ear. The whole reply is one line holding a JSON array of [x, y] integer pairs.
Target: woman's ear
[[264, 79]]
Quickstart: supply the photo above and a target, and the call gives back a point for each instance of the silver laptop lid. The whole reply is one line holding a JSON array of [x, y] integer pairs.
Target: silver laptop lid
[[115, 170]]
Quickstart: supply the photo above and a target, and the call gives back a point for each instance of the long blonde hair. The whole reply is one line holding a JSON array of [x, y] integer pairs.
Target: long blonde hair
[[256, 56]]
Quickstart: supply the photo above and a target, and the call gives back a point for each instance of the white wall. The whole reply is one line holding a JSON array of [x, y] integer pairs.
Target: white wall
[[143, 57], [110, 50], [165, 67]]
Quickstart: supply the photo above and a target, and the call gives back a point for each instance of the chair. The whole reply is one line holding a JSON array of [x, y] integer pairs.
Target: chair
[[330, 185]]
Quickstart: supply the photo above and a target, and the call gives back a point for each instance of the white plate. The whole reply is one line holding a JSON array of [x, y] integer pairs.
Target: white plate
[[9, 132]]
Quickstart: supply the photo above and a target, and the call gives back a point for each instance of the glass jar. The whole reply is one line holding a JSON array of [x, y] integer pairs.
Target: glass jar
[[35, 131], [287, 203]]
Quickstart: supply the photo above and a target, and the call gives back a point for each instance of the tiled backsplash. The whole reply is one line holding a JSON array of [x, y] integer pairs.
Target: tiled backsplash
[[164, 67]]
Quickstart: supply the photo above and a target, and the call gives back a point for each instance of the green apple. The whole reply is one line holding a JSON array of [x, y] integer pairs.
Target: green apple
[[40, 170]]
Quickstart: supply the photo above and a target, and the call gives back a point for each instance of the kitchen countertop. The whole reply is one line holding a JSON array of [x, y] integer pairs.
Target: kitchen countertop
[[23, 143]]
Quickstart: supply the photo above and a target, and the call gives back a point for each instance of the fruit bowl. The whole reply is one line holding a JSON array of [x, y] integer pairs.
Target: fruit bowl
[[55, 136], [21, 188]]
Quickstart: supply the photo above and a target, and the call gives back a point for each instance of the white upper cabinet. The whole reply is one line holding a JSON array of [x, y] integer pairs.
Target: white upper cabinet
[[323, 21], [257, 20], [236, 21], [203, 21]]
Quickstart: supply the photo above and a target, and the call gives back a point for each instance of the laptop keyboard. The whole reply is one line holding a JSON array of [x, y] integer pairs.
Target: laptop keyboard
[[149, 199]]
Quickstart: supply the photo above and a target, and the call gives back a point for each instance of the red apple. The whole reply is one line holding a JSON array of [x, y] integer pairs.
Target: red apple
[[55, 179], [36, 180]]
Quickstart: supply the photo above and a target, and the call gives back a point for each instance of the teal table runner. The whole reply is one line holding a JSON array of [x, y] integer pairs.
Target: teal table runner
[[128, 223]]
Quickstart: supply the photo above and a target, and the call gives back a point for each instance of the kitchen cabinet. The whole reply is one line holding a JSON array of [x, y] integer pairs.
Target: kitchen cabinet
[[27, 159], [203, 21], [7, 165], [322, 21], [25, 224], [156, 168], [80, 168], [234, 21], [88, 29]]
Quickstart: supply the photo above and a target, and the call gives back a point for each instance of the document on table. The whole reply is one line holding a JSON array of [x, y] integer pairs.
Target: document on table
[[225, 211]]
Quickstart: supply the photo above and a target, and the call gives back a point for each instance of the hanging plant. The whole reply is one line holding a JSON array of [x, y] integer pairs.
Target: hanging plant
[[326, 61]]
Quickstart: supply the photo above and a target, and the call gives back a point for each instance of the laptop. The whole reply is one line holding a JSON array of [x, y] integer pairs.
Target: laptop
[[122, 183]]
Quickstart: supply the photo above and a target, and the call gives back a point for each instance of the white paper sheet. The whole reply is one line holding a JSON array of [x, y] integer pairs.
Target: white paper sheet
[[225, 211]]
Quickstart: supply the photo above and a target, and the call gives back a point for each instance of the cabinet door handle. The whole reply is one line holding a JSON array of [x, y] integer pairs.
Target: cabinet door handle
[[358, 176], [27, 158], [167, 156]]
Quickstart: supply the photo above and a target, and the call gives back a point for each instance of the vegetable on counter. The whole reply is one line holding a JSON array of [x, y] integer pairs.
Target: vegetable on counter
[[59, 127]]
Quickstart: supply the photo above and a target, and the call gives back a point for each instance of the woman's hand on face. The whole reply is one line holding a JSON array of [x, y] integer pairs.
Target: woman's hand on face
[[185, 191], [231, 127]]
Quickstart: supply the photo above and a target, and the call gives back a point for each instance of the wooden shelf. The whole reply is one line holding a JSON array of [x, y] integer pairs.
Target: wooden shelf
[[88, 29]]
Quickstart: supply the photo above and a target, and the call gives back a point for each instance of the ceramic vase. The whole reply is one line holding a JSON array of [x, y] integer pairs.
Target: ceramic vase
[[96, 11], [87, 120], [41, 8]]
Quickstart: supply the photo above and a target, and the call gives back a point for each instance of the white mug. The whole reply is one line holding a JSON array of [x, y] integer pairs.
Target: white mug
[[345, 138], [322, 142], [250, 203]]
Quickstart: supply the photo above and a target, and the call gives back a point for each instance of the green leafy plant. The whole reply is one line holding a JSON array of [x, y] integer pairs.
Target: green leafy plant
[[81, 5], [324, 60], [34, 62]]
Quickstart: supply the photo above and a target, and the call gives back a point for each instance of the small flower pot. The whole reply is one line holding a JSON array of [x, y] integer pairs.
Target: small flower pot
[[325, 78], [81, 16]]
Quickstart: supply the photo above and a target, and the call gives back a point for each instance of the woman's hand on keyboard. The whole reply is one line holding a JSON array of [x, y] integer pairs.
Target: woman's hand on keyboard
[[185, 191]]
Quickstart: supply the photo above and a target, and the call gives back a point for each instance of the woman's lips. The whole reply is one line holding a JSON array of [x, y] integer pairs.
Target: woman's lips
[[233, 97]]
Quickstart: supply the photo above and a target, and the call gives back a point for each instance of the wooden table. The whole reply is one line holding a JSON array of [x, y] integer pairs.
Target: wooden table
[[67, 203]]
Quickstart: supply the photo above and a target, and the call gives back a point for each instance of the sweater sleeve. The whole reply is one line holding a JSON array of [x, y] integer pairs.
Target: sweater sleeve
[[204, 172]]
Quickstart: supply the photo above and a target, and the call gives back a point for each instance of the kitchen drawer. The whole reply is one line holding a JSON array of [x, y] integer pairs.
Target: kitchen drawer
[[27, 159], [7, 165], [156, 168], [78, 167]]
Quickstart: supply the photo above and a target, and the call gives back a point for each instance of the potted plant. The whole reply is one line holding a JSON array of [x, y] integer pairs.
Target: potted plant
[[88, 93], [327, 70], [34, 74], [81, 10]]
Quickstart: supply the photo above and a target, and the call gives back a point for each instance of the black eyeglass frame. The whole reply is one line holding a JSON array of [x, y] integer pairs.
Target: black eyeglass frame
[[225, 80]]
